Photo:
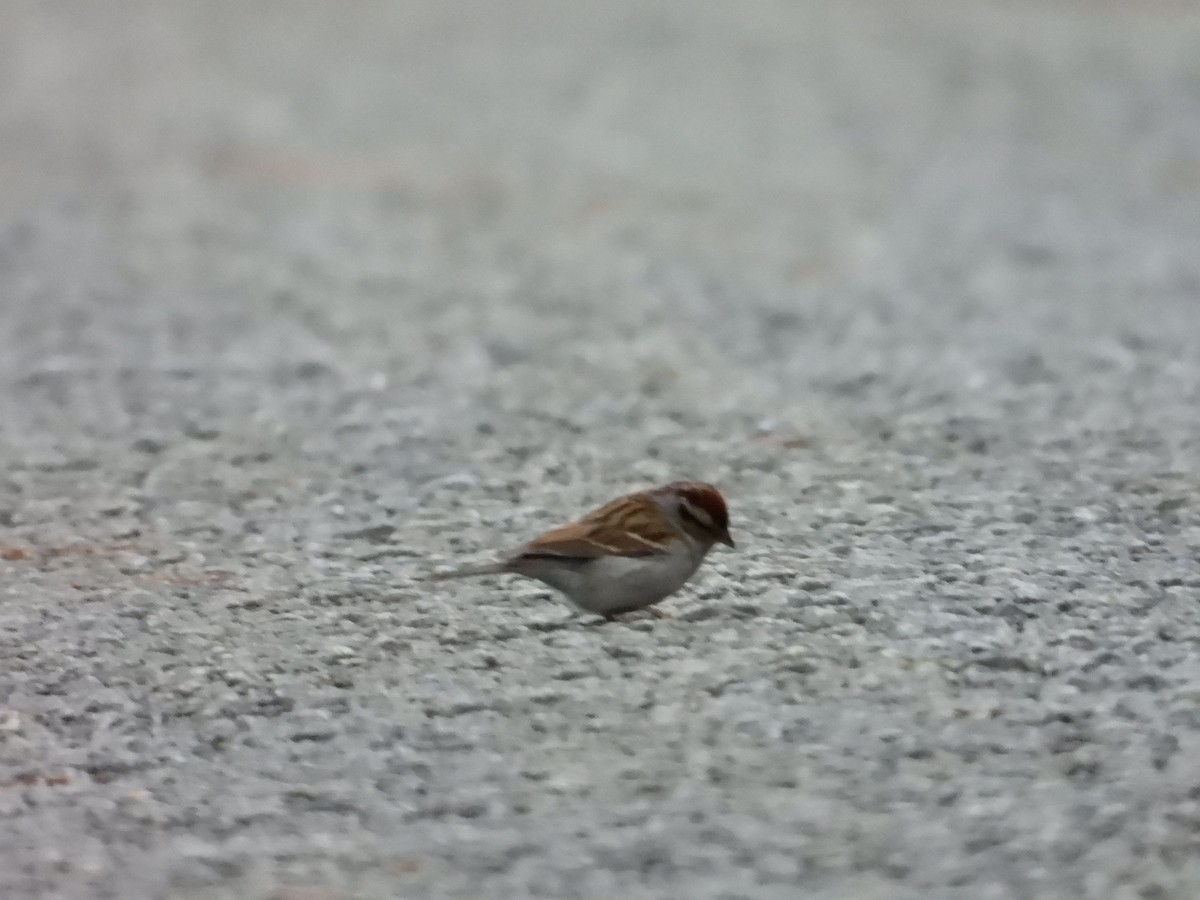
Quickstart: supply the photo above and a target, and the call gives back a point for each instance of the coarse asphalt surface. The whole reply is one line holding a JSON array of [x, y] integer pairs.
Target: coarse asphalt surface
[[301, 301]]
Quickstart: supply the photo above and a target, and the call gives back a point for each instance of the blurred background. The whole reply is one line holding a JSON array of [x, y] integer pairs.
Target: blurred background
[[547, 170]]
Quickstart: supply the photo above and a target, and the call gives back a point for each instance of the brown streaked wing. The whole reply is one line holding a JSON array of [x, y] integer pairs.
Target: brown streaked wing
[[628, 526]]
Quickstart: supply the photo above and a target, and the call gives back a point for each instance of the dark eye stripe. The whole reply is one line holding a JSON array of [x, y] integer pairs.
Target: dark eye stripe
[[685, 510]]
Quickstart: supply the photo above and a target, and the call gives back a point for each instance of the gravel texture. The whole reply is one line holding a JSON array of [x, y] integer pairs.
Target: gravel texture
[[299, 301]]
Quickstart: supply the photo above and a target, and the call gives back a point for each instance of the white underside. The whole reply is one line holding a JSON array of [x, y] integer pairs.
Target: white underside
[[616, 584]]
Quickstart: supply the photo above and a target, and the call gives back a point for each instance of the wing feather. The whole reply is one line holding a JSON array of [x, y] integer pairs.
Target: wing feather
[[630, 526]]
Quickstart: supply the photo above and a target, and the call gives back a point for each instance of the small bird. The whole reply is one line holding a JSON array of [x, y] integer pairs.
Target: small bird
[[628, 554]]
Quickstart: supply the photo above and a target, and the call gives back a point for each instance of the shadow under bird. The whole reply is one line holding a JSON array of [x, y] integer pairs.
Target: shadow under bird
[[627, 555]]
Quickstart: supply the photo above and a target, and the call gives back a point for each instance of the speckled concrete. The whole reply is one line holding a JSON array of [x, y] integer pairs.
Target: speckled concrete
[[300, 301]]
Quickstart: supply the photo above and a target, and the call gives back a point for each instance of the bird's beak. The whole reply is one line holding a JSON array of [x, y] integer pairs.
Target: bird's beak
[[727, 540]]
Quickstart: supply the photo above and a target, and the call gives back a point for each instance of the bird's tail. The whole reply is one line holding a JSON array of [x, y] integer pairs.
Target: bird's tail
[[494, 568]]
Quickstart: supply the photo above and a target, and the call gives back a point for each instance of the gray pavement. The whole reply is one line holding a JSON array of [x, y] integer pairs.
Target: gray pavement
[[300, 301]]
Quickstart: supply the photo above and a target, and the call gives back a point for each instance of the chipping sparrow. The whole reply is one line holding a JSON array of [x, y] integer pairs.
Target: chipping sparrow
[[626, 555]]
